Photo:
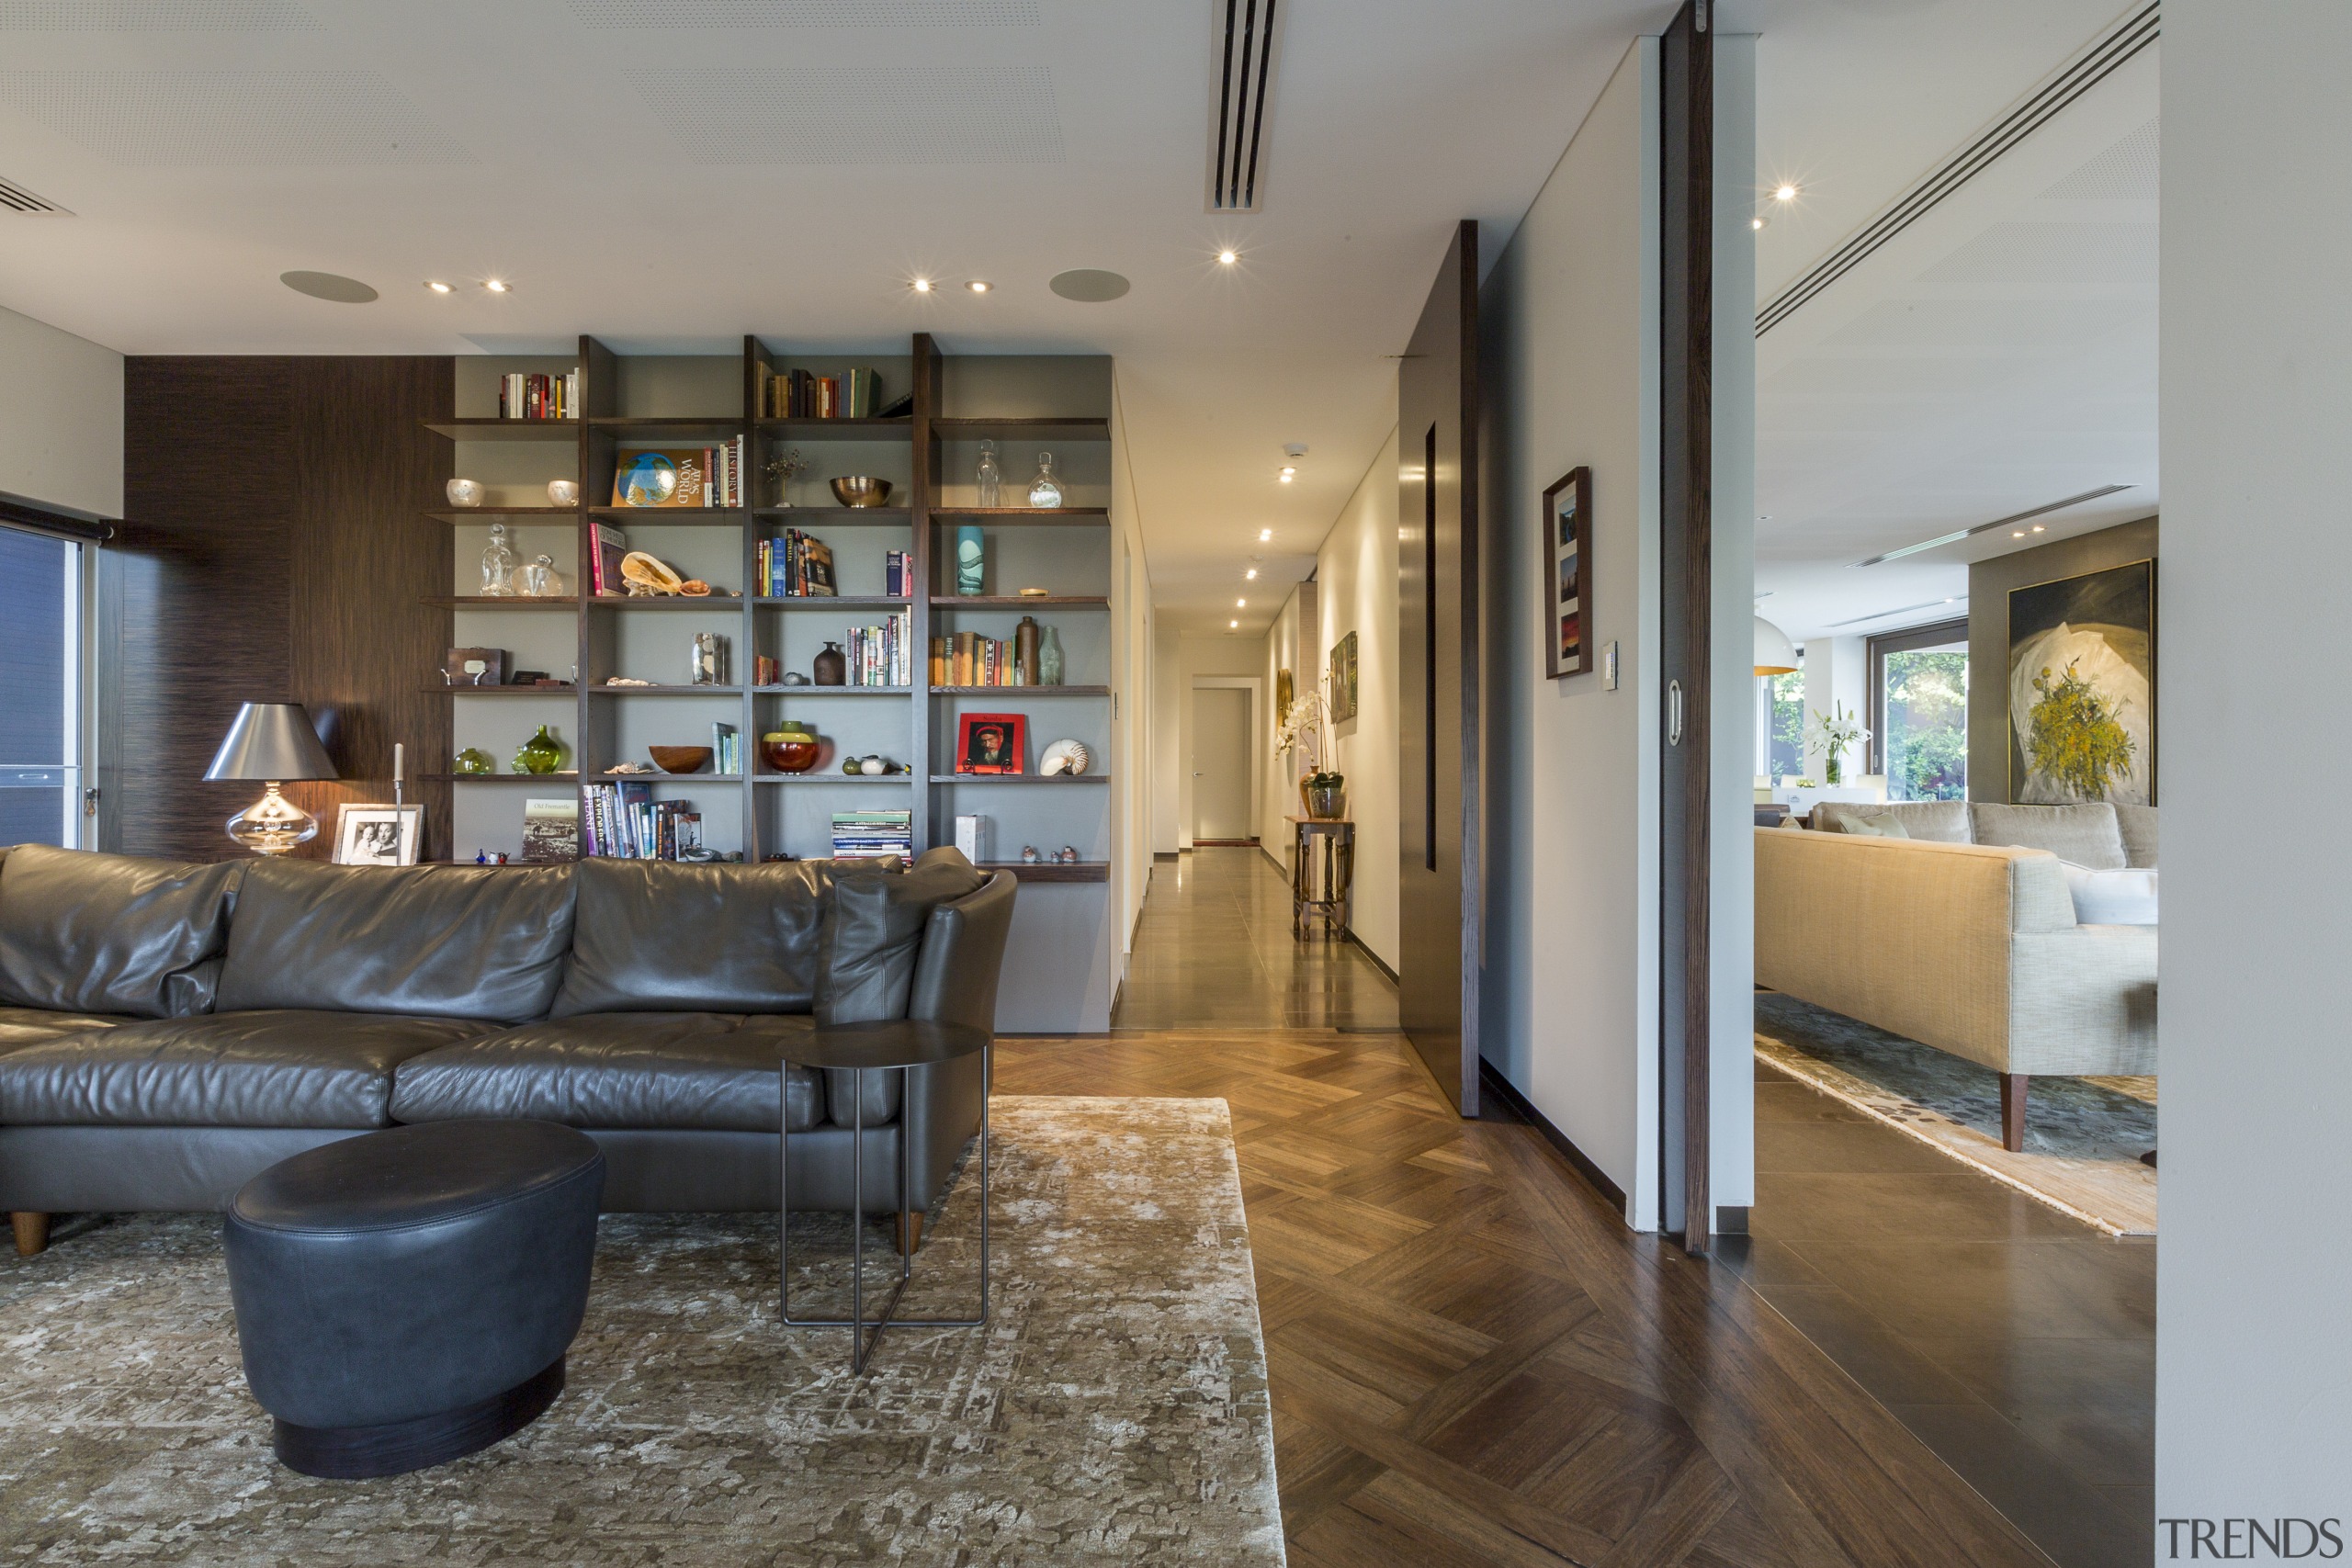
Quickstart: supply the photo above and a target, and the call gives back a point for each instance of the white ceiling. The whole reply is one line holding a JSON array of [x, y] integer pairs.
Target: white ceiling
[[675, 173], [2000, 355]]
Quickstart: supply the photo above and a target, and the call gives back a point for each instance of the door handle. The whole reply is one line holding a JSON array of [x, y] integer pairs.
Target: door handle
[[1674, 713]]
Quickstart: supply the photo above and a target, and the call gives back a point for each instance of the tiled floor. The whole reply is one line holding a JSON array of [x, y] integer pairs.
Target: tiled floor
[[2017, 1343]]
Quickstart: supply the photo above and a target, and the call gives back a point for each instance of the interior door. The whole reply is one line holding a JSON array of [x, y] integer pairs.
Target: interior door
[[1440, 901], [1221, 765]]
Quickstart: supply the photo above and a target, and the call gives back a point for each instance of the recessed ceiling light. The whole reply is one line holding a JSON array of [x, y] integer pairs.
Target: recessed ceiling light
[[1287, 475], [1241, 604], [1265, 534], [1786, 193], [977, 287], [1228, 258], [496, 285], [2018, 533], [436, 286], [1251, 575], [922, 286], [2037, 527], [1758, 222], [1233, 623]]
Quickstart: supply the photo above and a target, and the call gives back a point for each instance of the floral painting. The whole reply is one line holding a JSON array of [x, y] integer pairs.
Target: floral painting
[[2082, 688]]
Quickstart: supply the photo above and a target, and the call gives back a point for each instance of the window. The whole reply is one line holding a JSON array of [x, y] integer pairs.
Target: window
[[1780, 724], [41, 690], [1920, 711]]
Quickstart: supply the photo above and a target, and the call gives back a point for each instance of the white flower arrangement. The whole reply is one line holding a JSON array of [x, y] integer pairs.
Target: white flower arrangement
[[1302, 729]]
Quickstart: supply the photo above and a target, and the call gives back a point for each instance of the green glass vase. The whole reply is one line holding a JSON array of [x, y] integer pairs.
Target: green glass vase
[[542, 754]]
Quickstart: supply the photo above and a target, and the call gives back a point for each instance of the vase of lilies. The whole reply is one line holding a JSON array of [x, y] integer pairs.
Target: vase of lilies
[[1834, 731]]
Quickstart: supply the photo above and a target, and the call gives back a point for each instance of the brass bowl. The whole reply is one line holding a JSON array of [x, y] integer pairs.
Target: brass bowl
[[679, 759], [862, 490]]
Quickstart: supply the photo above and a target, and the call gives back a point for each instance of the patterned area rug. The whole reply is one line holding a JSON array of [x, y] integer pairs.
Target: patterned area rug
[[1115, 1408], [2083, 1137]]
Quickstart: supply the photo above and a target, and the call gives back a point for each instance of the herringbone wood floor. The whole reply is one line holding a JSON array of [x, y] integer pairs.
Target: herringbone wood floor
[[1474, 1361]]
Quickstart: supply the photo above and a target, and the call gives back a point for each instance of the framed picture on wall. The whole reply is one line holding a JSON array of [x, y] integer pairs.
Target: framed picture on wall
[[378, 835], [2082, 689], [1567, 575], [991, 743], [1343, 679]]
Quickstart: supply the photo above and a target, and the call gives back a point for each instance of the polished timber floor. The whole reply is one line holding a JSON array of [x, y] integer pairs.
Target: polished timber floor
[[1473, 1361]]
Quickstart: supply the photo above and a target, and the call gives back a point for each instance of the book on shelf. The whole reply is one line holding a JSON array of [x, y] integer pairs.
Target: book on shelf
[[525, 396], [551, 831], [661, 477], [766, 671], [874, 835], [794, 566], [967, 658], [800, 394], [881, 656], [604, 565], [897, 574], [625, 823], [726, 753]]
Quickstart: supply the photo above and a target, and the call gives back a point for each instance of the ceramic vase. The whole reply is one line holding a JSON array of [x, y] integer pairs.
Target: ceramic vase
[[1024, 652], [830, 666], [971, 560]]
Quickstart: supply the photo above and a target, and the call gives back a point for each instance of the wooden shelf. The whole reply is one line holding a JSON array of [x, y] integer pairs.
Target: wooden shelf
[[494, 429], [672, 516], [528, 513], [1020, 778], [856, 517], [729, 603], [498, 778], [1046, 870], [509, 601], [1022, 429], [874, 429], [1020, 691], [1017, 601], [845, 601], [685, 427], [834, 776], [666, 690], [566, 692], [1024, 516], [813, 691], [657, 776]]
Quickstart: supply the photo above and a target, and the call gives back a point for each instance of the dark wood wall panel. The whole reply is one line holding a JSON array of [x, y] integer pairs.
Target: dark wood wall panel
[[272, 551]]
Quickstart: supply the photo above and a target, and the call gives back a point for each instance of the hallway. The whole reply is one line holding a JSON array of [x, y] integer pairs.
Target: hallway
[[1471, 1360]]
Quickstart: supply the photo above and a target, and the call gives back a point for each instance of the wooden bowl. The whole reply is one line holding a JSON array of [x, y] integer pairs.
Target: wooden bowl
[[862, 490], [679, 759]]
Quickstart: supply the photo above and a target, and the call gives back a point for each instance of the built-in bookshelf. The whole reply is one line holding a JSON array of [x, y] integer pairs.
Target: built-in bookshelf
[[929, 454]]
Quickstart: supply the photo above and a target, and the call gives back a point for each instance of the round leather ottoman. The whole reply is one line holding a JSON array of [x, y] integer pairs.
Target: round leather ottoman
[[407, 1296]]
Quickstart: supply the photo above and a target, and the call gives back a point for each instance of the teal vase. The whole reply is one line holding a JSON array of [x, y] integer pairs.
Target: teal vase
[[970, 560]]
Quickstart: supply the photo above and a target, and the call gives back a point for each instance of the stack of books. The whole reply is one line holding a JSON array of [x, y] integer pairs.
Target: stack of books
[[725, 466], [898, 574], [882, 655], [538, 397], [794, 566], [726, 749], [798, 394], [967, 658], [874, 835], [625, 823]]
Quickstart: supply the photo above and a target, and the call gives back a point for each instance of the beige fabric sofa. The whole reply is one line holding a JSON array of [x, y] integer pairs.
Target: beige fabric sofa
[[2099, 835], [1970, 948]]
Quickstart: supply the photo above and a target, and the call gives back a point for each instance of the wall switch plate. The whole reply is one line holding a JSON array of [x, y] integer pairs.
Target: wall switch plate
[[1609, 667]]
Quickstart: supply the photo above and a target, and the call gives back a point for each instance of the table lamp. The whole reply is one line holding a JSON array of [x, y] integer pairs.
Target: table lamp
[[272, 742]]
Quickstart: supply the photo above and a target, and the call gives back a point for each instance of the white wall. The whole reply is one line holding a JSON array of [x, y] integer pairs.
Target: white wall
[[61, 418], [1569, 329], [1355, 576], [1836, 670], [1176, 658], [1132, 685], [1290, 645], [2254, 1286]]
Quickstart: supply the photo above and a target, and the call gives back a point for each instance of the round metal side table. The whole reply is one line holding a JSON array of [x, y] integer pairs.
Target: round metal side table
[[860, 1048]]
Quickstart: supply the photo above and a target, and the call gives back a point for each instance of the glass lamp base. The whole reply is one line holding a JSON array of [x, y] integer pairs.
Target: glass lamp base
[[273, 825]]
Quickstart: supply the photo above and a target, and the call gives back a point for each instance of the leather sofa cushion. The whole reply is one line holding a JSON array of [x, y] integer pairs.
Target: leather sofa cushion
[[277, 1068], [873, 933], [679, 1070], [2086, 835], [31, 1026], [435, 942], [661, 936], [85, 933]]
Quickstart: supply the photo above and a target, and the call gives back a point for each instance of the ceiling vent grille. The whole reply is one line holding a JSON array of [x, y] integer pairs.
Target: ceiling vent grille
[[16, 198], [1249, 39]]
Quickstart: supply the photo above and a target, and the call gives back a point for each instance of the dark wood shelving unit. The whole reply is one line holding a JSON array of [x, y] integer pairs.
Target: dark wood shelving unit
[[1046, 870], [917, 508], [567, 776], [1055, 779], [704, 602]]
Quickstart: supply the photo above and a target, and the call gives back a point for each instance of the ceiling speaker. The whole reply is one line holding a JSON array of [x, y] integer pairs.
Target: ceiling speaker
[[1088, 286], [329, 285]]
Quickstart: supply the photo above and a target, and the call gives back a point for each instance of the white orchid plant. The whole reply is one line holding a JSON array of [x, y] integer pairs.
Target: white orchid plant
[[1303, 730], [1834, 731]]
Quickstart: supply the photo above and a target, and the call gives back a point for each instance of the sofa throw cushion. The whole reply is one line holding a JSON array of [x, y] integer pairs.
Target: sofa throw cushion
[[2125, 898], [2139, 827], [1882, 827], [83, 932], [873, 933], [2087, 834], [1932, 821], [667, 936], [437, 942]]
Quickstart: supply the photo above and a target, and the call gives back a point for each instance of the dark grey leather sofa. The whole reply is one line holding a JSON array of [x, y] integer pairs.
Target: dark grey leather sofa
[[167, 1031]]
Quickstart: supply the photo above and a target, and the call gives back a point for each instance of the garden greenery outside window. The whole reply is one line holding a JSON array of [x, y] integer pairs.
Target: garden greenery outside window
[[1920, 711]]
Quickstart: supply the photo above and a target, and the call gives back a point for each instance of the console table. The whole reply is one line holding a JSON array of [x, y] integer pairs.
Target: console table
[[1322, 873]]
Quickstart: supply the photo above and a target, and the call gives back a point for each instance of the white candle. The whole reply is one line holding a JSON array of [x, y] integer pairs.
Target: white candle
[[398, 751]]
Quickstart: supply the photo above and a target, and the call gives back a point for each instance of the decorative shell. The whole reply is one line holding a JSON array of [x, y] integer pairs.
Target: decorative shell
[[648, 575], [1063, 757]]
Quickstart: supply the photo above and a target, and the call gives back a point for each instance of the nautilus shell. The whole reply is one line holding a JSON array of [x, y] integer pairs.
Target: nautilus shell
[[1063, 757], [648, 575]]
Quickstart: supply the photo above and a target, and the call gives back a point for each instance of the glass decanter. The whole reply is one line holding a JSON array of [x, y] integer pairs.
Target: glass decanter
[[538, 578], [988, 478], [1045, 491], [497, 565]]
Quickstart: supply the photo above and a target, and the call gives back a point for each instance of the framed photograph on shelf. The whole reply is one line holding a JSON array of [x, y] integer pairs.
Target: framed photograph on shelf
[[991, 743], [1567, 575], [378, 835]]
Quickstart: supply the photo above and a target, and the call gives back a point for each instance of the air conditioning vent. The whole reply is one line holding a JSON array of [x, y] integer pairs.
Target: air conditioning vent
[[16, 198], [1249, 39]]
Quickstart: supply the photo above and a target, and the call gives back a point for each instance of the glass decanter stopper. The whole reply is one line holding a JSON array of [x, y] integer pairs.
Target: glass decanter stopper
[[989, 478], [1045, 489], [497, 565]]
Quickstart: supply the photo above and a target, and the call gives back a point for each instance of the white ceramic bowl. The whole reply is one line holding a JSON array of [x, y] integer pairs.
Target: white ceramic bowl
[[465, 492]]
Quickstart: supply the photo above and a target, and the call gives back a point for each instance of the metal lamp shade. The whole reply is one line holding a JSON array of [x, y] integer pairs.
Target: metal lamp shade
[[271, 741], [1775, 654]]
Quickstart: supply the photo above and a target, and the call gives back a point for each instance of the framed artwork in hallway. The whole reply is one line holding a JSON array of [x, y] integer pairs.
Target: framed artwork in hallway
[[2082, 688], [1342, 696], [1568, 574]]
